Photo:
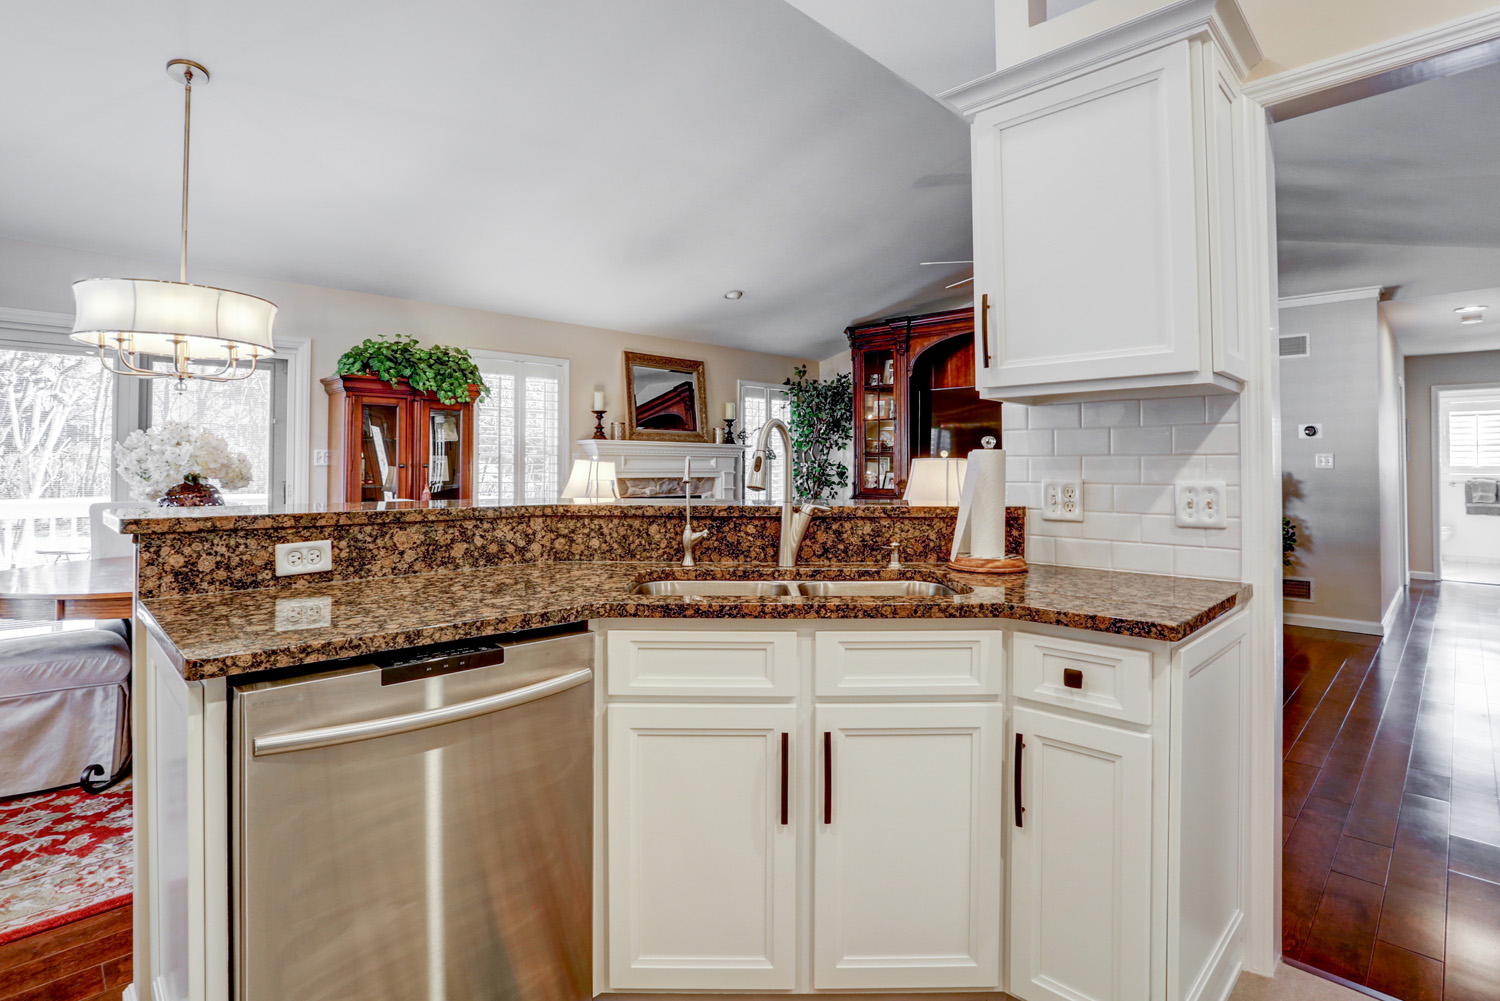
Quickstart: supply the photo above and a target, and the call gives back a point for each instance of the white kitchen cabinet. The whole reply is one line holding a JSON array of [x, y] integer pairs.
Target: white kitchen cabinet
[[1080, 861], [907, 849], [1106, 238], [702, 858]]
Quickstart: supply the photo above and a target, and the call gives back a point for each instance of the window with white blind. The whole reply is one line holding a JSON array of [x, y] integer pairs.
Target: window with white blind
[[522, 429], [1474, 439], [759, 402]]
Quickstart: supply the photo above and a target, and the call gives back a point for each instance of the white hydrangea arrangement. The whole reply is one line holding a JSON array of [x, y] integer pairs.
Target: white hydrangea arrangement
[[155, 460]]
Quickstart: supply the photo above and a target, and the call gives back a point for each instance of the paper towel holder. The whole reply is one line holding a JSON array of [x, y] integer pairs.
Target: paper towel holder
[[1012, 563]]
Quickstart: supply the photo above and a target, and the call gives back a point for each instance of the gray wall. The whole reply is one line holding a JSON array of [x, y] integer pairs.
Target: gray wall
[[1422, 373], [1339, 508]]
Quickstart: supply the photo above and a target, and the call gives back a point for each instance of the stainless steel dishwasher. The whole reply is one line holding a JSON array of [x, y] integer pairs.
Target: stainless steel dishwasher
[[417, 825]]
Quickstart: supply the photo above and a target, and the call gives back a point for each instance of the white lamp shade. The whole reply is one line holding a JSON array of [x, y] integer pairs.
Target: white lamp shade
[[935, 482], [591, 482], [155, 316]]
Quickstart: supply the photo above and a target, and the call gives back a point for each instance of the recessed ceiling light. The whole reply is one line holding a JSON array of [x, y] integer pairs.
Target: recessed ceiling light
[[1472, 318], [735, 293]]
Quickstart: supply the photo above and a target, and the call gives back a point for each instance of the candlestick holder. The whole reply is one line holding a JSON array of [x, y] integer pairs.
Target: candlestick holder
[[599, 424], [729, 428]]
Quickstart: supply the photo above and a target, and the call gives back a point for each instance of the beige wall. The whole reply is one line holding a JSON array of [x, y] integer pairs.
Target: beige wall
[[1422, 373], [39, 277], [1291, 33], [1391, 467]]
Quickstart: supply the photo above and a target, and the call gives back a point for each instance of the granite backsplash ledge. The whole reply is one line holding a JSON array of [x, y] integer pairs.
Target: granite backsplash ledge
[[230, 550]]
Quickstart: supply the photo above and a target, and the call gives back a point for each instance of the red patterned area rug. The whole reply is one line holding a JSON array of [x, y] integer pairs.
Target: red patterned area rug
[[63, 856]]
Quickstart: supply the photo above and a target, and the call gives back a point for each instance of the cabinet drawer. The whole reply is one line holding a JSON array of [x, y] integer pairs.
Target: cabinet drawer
[[651, 662], [1092, 677], [908, 663]]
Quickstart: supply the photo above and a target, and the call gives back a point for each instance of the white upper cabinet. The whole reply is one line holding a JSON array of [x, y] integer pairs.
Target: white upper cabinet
[[1107, 244]]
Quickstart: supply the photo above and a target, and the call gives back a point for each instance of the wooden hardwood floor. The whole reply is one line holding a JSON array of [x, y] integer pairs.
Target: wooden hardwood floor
[[85, 960], [1391, 827]]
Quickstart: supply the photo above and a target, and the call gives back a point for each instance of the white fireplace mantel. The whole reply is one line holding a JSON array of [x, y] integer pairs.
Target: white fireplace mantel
[[657, 459]]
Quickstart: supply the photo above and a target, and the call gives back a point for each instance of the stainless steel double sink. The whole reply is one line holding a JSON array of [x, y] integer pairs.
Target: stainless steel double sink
[[795, 588]]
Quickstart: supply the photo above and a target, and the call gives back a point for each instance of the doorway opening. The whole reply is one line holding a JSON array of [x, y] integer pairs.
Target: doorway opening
[[1466, 486]]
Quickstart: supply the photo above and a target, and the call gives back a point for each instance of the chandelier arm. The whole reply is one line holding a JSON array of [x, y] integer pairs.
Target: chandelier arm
[[236, 375], [129, 367]]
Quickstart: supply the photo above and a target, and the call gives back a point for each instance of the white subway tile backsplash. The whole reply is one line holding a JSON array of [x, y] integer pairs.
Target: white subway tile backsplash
[[1055, 415], [1111, 526], [1141, 441], [1141, 558], [1219, 564], [1111, 469], [1184, 410], [1082, 441], [1147, 499], [1112, 414], [1027, 442], [1084, 553], [1171, 468], [1128, 454], [1206, 439], [1223, 408]]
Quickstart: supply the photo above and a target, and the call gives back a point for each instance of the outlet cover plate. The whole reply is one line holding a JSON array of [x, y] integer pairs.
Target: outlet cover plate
[[1201, 504], [1062, 500], [1323, 460], [304, 557]]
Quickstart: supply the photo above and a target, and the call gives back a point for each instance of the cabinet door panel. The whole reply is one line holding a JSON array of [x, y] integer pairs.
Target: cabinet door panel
[[907, 859], [1080, 864], [702, 880], [1085, 227]]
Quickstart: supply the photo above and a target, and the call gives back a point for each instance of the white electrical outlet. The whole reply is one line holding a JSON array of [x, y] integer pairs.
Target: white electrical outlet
[[1062, 500], [303, 613], [1323, 460], [1200, 504], [304, 557], [320, 457]]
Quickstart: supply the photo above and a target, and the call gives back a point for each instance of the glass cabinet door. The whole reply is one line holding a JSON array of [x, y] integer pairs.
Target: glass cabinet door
[[380, 462], [444, 466]]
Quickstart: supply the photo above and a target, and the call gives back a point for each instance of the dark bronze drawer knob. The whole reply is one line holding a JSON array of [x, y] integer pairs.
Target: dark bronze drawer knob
[[1072, 677]]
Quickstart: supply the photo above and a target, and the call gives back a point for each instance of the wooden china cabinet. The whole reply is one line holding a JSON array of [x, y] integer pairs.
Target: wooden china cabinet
[[393, 443], [914, 397]]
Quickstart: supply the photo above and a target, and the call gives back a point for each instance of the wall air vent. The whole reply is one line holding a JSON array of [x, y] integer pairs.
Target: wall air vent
[[1297, 588], [1294, 345]]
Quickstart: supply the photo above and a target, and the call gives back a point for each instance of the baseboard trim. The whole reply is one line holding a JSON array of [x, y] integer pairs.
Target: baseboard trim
[[1217, 978], [1392, 610], [1328, 622], [1424, 575]]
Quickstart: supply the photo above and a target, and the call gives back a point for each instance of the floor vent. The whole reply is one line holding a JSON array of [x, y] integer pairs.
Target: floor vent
[[1297, 588], [1294, 346]]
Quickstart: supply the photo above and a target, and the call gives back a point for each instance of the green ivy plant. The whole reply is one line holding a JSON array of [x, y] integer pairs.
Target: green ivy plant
[[446, 372], [822, 424]]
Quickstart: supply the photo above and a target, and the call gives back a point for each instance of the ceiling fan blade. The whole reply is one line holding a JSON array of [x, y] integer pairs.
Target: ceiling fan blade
[[924, 264], [958, 283]]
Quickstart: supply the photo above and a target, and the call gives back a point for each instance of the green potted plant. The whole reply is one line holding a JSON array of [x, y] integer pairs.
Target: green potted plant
[[448, 373], [822, 424]]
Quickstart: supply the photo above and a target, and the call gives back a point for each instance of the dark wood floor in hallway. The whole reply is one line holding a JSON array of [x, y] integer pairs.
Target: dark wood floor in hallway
[[1391, 833]]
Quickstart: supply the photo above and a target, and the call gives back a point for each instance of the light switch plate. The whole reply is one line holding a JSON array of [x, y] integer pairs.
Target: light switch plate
[[1323, 460], [1062, 500], [304, 557], [303, 613], [1201, 504], [320, 457]]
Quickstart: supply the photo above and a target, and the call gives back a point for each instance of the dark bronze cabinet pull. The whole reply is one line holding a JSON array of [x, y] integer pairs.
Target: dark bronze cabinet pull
[[1020, 749], [785, 769], [827, 776], [1072, 677], [984, 326]]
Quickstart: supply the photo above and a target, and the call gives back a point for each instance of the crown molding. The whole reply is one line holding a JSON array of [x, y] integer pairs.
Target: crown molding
[[1337, 295], [35, 319], [1362, 70]]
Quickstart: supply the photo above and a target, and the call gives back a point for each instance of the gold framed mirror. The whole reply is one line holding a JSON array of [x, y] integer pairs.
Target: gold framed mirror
[[665, 398]]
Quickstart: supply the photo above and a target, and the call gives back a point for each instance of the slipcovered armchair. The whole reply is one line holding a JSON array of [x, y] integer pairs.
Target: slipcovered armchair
[[64, 706]]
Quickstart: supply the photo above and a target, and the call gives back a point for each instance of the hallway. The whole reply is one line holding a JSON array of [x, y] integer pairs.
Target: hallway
[[1391, 827]]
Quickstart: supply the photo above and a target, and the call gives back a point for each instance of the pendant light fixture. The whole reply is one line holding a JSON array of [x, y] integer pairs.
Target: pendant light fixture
[[131, 320]]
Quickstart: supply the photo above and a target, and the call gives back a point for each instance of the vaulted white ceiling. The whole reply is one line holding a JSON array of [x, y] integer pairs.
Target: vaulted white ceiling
[[617, 163]]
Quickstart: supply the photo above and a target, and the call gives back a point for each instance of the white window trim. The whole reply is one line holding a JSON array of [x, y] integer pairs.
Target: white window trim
[[564, 433], [29, 328], [739, 399]]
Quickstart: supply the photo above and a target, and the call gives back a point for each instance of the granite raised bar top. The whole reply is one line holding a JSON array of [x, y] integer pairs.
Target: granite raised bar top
[[237, 632]]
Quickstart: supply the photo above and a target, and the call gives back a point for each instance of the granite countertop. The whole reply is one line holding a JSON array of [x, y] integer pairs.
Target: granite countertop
[[236, 633]]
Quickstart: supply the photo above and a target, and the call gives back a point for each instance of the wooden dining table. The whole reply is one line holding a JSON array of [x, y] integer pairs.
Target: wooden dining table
[[77, 589]]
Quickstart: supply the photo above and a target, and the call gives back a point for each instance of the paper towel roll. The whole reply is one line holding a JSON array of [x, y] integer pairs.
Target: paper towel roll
[[987, 512]]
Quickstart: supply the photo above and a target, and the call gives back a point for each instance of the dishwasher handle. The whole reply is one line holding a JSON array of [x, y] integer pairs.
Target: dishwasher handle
[[348, 733]]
